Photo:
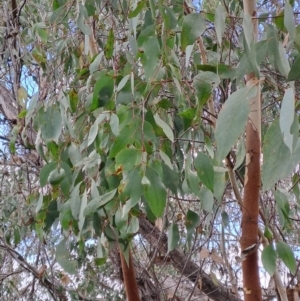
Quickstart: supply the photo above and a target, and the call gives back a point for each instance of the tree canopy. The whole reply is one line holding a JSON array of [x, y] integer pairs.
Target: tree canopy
[[154, 136]]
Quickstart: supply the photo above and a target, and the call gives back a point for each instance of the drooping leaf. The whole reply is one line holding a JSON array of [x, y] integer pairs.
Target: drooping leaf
[[81, 216], [287, 117], [207, 199], [220, 22], [279, 162], [103, 91], [173, 237], [109, 47], [205, 170], [294, 73], [45, 171], [127, 158], [155, 192], [225, 219], [150, 57], [268, 258], [232, 119], [192, 221], [286, 254], [63, 258], [165, 127], [137, 10], [289, 19], [51, 124], [204, 83], [192, 28]]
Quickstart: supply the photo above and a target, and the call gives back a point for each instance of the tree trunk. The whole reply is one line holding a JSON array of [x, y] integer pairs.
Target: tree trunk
[[251, 280], [183, 265]]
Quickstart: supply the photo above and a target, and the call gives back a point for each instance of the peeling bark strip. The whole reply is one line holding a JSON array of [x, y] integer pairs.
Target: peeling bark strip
[[130, 284], [181, 263], [251, 280]]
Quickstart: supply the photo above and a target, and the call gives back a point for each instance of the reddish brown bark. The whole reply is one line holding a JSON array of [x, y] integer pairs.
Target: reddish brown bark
[[130, 284], [251, 280]]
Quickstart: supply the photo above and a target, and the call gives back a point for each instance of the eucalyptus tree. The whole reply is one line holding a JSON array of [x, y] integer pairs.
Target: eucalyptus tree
[[133, 138]]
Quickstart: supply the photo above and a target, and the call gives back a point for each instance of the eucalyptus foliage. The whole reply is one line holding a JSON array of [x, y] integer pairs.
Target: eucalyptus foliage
[[101, 140]]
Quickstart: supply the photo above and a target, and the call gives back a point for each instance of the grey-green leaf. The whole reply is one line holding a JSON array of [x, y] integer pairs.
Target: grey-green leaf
[[155, 193], [192, 28], [232, 119], [268, 258], [173, 237], [286, 254], [51, 124], [63, 257], [205, 170], [287, 117]]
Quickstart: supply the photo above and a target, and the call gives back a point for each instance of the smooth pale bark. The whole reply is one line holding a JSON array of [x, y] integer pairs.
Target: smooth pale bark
[[251, 279]]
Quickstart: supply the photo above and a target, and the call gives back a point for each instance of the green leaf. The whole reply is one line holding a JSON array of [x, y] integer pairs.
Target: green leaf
[[74, 154], [268, 258], [59, 14], [225, 218], [95, 127], [294, 73], [131, 186], [66, 219], [122, 140], [173, 237], [51, 124], [193, 26], [150, 56], [63, 258], [42, 34], [51, 215], [278, 160], [56, 176], [283, 208], [13, 138], [289, 22], [205, 170], [204, 83], [279, 21], [155, 193], [192, 181], [103, 92], [45, 171], [219, 185], [81, 216], [165, 127], [170, 178], [137, 10], [114, 124], [100, 201], [80, 20], [220, 22], [73, 100], [287, 117], [232, 119], [22, 114], [240, 154], [207, 199], [192, 221], [286, 254], [127, 158], [109, 47]]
